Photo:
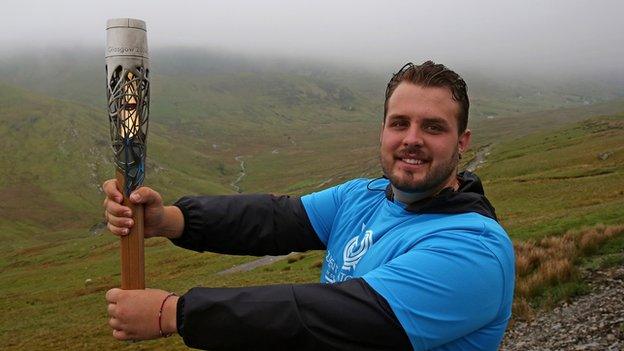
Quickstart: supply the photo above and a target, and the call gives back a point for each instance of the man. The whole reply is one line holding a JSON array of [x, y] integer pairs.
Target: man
[[415, 260]]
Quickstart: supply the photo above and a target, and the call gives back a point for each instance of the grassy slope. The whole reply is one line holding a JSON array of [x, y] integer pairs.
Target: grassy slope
[[489, 131], [303, 136], [56, 154], [543, 183], [46, 214], [548, 182], [277, 114]]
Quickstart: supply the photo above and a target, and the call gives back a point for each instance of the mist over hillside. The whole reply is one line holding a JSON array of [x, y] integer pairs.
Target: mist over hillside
[[221, 122], [315, 123], [77, 74]]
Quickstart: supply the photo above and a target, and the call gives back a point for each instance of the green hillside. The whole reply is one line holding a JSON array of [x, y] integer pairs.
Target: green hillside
[[56, 153], [547, 183], [278, 114], [55, 156], [541, 184], [492, 130], [196, 83], [554, 163]]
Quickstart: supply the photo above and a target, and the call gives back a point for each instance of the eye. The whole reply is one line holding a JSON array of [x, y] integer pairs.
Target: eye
[[399, 123], [434, 128]]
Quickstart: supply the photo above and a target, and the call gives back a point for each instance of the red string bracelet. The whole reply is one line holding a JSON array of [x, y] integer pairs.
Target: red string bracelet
[[162, 305]]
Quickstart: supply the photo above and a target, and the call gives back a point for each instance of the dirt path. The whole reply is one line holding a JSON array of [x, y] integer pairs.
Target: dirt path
[[325, 182], [479, 158], [264, 261], [241, 175]]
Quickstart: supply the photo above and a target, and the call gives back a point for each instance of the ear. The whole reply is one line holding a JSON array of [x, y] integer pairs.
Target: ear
[[464, 141]]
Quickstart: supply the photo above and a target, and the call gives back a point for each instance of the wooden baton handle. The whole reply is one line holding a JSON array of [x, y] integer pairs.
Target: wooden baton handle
[[132, 248]]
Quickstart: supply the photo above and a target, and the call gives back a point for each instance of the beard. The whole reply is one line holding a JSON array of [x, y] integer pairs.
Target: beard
[[434, 179]]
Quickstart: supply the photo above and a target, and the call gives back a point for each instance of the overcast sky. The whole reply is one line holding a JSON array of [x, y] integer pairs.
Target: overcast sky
[[552, 35]]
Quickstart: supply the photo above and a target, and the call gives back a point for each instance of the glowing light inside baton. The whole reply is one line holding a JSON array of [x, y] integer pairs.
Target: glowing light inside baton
[[130, 119]]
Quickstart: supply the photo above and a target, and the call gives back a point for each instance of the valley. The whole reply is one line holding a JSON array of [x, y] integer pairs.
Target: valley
[[554, 163]]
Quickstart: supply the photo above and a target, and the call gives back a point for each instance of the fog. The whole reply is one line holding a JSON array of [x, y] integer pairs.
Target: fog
[[524, 37]]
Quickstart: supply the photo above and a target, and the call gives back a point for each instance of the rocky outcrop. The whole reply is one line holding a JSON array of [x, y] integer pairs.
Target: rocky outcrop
[[591, 322]]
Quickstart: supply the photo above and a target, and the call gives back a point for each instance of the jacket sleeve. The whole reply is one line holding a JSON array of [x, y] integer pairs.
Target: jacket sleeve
[[246, 225], [343, 316]]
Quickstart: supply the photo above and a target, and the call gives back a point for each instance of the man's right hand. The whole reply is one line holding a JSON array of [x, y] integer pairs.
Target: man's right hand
[[159, 220]]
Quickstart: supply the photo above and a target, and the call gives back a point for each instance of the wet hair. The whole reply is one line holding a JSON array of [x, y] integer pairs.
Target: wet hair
[[430, 74]]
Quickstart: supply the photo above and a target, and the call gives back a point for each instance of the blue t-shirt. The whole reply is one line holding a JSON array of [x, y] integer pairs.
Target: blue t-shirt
[[449, 278]]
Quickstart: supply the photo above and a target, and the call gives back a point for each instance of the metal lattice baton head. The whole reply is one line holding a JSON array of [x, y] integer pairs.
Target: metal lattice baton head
[[127, 74]]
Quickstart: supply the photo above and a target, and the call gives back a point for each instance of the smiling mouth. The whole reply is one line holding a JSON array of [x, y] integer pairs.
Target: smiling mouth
[[412, 161]]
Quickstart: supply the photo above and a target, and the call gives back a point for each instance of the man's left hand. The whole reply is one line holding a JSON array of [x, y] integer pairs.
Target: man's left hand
[[134, 313]]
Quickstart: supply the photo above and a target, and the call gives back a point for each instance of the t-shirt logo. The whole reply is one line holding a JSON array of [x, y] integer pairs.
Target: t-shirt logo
[[354, 251]]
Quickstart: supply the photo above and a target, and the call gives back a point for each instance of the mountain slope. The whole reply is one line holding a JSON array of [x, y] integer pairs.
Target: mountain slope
[[204, 79], [57, 153], [551, 181], [543, 183]]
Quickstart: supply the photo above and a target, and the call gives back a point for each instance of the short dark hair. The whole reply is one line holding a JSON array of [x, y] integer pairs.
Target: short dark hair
[[430, 74]]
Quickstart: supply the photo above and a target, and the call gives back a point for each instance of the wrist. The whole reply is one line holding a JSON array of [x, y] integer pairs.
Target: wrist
[[168, 321], [174, 222]]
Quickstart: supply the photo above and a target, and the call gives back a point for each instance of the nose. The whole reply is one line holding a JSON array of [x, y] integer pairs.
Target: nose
[[413, 137]]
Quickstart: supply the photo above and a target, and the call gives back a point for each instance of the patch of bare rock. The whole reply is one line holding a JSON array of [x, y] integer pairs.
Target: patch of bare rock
[[591, 322]]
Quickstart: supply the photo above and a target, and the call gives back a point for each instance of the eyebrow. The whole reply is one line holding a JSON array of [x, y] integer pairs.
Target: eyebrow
[[395, 117], [439, 120], [436, 120]]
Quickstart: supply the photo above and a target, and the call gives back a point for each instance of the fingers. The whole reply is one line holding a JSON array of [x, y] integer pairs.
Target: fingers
[[120, 335], [117, 230], [117, 216], [115, 323], [113, 295], [118, 225], [118, 222], [145, 195], [111, 309], [142, 195], [116, 209], [133, 314], [110, 189]]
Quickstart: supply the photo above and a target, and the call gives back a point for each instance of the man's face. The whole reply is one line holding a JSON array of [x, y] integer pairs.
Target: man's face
[[420, 144]]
